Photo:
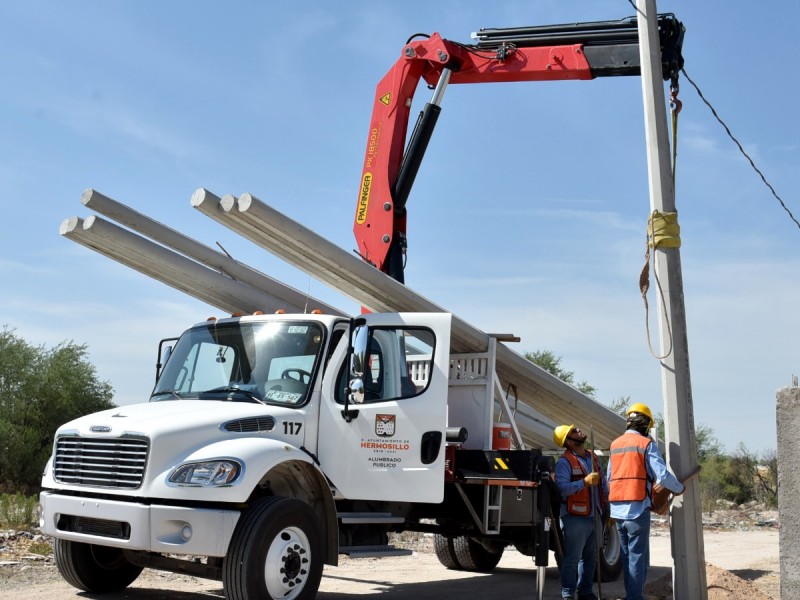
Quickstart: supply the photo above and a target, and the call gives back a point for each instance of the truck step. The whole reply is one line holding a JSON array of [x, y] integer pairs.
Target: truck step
[[353, 518], [373, 551]]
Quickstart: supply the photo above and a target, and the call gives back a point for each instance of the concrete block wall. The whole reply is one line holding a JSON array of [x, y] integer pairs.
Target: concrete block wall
[[788, 416]]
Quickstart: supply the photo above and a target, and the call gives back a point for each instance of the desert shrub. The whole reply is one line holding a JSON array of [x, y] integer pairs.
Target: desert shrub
[[18, 511]]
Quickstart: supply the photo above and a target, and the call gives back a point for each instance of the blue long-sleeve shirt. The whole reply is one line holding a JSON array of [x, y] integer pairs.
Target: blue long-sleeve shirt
[[656, 471], [567, 487]]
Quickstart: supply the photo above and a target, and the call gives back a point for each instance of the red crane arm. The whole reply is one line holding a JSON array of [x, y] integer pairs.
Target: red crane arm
[[547, 53], [376, 221]]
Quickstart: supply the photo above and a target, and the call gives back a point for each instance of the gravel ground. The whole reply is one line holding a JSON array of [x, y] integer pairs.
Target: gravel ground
[[741, 551]]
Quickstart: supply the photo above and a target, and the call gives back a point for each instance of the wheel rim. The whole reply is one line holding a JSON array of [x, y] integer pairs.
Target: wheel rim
[[287, 565]]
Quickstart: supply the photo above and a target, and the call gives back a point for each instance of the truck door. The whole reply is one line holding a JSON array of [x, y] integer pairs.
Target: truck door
[[392, 448]]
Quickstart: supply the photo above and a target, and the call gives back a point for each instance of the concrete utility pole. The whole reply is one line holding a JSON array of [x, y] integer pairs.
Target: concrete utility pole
[[788, 410], [689, 574]]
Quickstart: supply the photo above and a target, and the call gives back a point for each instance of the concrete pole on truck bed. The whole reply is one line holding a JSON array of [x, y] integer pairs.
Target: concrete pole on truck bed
[[686, 526], [295, 300], [171, 268]]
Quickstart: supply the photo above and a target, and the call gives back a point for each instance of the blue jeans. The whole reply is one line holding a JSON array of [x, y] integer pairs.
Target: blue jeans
[[634, 538], [579, 561]]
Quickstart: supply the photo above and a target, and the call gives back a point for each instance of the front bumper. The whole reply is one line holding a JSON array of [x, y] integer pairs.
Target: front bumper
[[136, 526]]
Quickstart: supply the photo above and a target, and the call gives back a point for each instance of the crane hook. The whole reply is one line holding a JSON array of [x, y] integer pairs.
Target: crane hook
[[675, 105]]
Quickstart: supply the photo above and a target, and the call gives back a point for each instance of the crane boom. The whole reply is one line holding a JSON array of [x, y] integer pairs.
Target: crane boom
[[579, 51]]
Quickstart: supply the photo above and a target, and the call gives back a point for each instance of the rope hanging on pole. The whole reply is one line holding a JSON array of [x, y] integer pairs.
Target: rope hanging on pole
[[675, 106], [663, 231]]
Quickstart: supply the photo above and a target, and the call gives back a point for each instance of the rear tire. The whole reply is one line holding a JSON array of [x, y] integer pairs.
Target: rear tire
[[445, 552], [94, 569], [276, 552], [473, 556], [610, 554]]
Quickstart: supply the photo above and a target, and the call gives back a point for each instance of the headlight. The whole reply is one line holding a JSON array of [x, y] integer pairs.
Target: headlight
[[207, 473]]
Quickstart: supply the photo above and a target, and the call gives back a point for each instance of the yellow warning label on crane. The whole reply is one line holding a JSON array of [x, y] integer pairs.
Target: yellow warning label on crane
[[386, 99]]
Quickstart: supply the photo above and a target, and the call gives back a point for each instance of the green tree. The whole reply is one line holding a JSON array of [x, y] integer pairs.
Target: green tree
[[552, 364], [760, 472], [620, 405], [40, 389]]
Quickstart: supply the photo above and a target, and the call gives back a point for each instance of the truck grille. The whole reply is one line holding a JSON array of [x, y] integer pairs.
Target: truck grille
[[113, 462]]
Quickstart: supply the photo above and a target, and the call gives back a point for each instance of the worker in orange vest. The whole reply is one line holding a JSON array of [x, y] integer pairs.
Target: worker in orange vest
[[635, 465], [577, 475]]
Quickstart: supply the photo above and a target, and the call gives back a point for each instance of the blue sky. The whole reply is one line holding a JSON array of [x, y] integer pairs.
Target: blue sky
[[528, 215]]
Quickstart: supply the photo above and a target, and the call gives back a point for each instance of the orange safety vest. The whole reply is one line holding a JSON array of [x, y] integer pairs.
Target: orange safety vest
[[580, 503], [628, 481]]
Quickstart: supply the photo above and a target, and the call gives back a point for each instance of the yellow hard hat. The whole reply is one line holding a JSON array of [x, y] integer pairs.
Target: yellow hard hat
[[642, 409], [560, 434]]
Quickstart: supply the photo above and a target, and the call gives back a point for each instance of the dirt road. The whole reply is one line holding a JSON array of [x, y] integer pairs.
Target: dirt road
[[750, 555]]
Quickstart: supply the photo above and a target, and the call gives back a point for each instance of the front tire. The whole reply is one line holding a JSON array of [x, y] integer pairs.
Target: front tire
[[275, 552], [94, 569]]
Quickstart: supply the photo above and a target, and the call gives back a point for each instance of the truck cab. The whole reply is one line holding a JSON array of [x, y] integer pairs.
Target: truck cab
[[268, 440]]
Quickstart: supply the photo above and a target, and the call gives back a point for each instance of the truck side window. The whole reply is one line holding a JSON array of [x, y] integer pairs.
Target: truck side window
[[399, 363], [336, 337]]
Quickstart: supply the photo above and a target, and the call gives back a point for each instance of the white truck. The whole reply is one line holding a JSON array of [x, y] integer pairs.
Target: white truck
[[273, 443]]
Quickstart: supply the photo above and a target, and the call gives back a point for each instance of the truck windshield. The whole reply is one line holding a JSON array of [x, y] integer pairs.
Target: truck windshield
[[270, 362]]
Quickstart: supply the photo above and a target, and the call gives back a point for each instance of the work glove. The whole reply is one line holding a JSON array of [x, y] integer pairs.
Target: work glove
[[592, 479]]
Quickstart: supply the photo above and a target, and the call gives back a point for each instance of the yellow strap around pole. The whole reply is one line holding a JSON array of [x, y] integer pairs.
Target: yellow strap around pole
[[663, 230]]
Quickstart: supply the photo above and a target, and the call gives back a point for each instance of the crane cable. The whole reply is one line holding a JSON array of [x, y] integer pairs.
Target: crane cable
[[663, 231]]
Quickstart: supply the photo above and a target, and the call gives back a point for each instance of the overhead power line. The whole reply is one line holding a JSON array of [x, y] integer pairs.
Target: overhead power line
[[741, 149], [735, 141]]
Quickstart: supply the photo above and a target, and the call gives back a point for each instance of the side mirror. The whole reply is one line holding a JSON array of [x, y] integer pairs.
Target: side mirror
[[358, 358], [358, 363], [359, 341], [357, 390]]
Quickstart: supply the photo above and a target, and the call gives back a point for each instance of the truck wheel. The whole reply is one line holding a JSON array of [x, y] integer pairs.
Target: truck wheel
[[474, 556], [275, 552], [445, 552], [610, 555], [94, 569]]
